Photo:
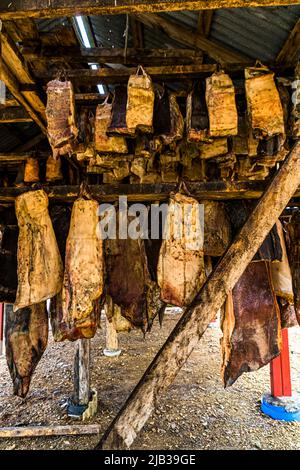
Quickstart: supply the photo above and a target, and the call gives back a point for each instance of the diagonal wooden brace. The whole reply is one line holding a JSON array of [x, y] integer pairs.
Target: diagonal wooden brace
[[190, 328]]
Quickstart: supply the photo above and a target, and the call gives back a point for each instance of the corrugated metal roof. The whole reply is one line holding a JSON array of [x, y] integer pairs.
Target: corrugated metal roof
[[258, 33]]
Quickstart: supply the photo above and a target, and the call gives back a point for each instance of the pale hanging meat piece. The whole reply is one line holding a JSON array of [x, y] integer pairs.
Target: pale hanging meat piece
[[263, 102], [32, 170], [9, 233], [217, 230], [26, 335], [293, 249], [60, 112], [197, 123], [281, 272], [221, 105], [40, 269], [84, 267], [213, 149], [251, 324], [104, 143], [180, 270], [140, 102], [53, 169], [61, 330]]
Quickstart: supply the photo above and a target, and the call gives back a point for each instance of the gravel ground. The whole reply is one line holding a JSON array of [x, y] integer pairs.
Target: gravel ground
[[197, 413]]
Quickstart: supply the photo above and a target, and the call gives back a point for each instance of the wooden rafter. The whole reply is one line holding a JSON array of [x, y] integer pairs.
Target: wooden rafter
[[205, 18], [108, 76], [14, 87], [19, 149], [14, 114], [19, 80], [194, 40], [19, 9], [112, 56], [220, 190], [183, 339], [290, 50], [137, 33]]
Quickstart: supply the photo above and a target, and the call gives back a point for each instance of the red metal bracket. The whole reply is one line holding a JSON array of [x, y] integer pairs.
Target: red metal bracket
[[280, 370]]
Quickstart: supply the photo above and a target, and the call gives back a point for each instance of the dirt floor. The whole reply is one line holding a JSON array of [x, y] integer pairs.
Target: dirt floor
[[197, 413]]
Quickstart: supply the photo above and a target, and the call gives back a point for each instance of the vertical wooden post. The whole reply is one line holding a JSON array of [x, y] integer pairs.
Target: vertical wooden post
[[112, 342], [280, 370], [1, 329], [82, 373]]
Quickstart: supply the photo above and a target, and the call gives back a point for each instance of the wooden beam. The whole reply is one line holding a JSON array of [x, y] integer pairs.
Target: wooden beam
[[19, 68], [215, 190], [14, 87], [192, 39], [184, 338], [111, 56], [289, 53], [16, 114], [90, 97], [82, 373], [205, 18], [29, 144], [37, 431], [109, 76], [137, 33], [9, 103], [20, 157], [19, 9]]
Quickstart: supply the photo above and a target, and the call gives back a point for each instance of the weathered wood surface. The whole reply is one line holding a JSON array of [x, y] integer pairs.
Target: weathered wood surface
[[36, 431], [290, 50], [82, 372], [108, 76], [19, 9], [174, 353], [215, 190], [16, 114], [15, 73], [116, 55]]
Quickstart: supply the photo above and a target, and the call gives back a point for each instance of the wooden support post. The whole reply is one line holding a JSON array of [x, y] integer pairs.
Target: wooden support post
[[112, 342], [174, 353], [280, 370], [1, 328], [82, 373]]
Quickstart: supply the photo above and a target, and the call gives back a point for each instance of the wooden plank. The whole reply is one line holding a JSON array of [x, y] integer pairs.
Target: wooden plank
[[20, 157], [185, 36], [14, 87], [9, 103], [82, 373], [112, 55], [215, 190], [19, 9], [37, 431], [288, 55], [16, 114], [109, 76], [205, 18], [137, 33], [184, 338], [29, 144], [19, 68]]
